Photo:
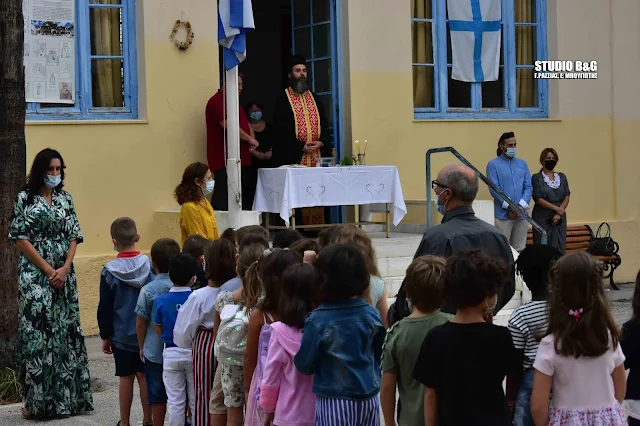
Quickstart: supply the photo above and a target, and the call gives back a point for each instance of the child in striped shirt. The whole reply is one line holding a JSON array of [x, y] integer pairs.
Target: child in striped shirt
[[528, 323]]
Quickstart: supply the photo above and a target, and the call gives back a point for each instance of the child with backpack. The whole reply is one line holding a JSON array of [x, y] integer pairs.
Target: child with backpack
[[286, 395], [234, 309], [580, 356], [194, 327], [268, 270], [342, 342]]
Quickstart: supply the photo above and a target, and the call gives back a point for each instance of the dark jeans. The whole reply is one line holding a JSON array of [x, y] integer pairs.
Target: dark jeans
[[156, 392], [633, 422], [522, 412], [219, 199]]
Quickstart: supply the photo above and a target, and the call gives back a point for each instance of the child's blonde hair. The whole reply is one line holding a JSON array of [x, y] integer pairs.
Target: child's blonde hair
[[264, 277], [579, 314], [247, 264]]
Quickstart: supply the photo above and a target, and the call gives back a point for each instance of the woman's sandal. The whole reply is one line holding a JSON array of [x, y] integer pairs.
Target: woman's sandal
[[26, 414]]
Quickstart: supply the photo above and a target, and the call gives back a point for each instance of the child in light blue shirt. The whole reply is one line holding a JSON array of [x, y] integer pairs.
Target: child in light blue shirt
[[150, 344]]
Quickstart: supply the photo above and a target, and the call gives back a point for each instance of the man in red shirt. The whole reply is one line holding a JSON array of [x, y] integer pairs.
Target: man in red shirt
[[216, 124]]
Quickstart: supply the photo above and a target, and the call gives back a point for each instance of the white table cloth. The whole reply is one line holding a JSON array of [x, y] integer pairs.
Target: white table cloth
[[283, 189]]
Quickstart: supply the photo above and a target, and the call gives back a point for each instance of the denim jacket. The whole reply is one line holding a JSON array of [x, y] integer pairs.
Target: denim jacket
[[342, 346]]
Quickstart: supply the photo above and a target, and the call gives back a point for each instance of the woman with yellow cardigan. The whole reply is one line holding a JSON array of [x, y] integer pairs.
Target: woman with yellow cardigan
[[196, 215]]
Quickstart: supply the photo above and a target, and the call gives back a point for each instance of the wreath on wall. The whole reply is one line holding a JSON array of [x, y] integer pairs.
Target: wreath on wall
[[182, 45]]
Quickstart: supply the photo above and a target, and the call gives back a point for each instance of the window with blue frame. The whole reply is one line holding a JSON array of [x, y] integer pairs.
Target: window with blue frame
[[106, 86], [516, 94]]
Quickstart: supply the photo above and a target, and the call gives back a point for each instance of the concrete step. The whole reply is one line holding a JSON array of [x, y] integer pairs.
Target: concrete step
[[399, 245], [394, 266], [515, 302], [392, 284]]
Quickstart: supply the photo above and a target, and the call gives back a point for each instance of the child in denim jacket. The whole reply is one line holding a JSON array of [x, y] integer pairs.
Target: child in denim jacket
[[342, 342]]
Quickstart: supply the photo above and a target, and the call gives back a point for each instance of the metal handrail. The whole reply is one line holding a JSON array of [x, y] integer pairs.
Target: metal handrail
[[483, 178]]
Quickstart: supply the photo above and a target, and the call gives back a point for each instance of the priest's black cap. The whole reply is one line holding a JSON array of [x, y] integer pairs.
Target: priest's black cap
[[296, 60]]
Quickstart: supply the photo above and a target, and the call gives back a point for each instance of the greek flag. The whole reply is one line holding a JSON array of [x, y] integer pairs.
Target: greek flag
[[475, 39], [235, 18]]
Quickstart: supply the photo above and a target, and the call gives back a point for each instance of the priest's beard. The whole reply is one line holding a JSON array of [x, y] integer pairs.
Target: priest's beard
[[299, 85]]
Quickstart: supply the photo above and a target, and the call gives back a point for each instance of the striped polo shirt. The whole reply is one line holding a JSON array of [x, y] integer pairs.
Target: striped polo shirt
[[527, 325]]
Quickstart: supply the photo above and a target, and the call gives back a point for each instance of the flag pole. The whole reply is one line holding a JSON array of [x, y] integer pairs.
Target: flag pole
[[233, 150]]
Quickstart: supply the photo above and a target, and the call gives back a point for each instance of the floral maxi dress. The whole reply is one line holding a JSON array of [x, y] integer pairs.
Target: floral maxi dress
[[51, 354]]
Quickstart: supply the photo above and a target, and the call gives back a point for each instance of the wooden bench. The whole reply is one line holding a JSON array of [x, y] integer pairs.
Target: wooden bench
[[578, 239]]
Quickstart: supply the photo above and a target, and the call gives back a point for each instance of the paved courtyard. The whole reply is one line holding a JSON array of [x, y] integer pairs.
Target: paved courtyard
[[106, 385]]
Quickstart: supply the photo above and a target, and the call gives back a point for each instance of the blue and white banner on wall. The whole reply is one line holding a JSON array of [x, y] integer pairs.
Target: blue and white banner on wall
[[475, 27]]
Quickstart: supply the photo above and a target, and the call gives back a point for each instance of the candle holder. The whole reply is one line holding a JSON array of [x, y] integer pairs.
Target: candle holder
[[362, 159]]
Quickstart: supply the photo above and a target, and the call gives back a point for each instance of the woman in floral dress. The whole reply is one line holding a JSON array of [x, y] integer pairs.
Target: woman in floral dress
[[52, 357]]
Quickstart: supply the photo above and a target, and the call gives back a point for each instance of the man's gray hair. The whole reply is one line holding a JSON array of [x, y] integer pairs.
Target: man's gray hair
[[463, 186]]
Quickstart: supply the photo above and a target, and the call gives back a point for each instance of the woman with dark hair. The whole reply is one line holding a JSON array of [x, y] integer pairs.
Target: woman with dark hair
[[261, 155], [551, 194], [52, 357], [196, 215]]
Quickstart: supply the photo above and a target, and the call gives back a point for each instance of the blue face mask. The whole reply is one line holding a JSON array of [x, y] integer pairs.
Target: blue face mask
[[441, 209], [511, 152], [256, 115], [52, 181]]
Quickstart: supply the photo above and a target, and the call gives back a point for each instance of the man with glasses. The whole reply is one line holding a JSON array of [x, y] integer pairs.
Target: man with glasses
[[455, 189], [511, 175]]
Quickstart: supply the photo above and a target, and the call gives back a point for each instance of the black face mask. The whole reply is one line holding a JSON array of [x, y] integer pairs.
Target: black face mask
[[550, 164]]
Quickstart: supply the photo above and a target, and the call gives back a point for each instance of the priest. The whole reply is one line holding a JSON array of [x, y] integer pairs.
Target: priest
[[302, 129]]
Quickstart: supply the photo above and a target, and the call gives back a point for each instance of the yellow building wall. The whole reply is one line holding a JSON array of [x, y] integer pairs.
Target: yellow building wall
[[131, 168], [593, 124]]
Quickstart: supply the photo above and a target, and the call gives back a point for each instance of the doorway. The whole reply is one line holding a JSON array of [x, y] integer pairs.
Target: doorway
[[283, 28]]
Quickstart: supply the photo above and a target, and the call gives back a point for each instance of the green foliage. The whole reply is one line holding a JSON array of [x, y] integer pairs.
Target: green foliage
[[346, 161], [9, 386]]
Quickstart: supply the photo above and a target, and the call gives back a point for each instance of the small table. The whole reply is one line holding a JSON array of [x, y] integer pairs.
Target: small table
[[285, 189]]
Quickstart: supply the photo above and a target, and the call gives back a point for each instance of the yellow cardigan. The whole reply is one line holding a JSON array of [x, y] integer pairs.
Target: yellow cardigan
[[198, 218]]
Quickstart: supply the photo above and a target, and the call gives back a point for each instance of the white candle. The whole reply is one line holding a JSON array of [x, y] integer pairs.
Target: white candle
[[358, 146]]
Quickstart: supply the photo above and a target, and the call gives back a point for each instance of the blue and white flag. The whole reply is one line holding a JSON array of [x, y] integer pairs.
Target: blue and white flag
[[235, 19], [475, 39]]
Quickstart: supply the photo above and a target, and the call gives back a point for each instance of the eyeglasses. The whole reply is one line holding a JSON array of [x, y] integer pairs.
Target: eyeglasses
[[435, 185]]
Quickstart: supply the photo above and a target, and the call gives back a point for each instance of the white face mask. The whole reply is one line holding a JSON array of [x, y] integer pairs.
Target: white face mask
[[52, 181], [209, 188]]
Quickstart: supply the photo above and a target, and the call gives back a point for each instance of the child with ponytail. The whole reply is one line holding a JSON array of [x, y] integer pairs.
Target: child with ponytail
[[580, 356], [233, 310], [286, 395], [268, 271]]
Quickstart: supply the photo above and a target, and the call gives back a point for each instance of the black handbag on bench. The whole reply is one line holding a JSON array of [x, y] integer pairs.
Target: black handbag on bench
[[602, 244]]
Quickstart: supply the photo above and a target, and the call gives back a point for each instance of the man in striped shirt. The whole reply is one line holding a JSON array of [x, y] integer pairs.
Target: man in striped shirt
[[529, 322]]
